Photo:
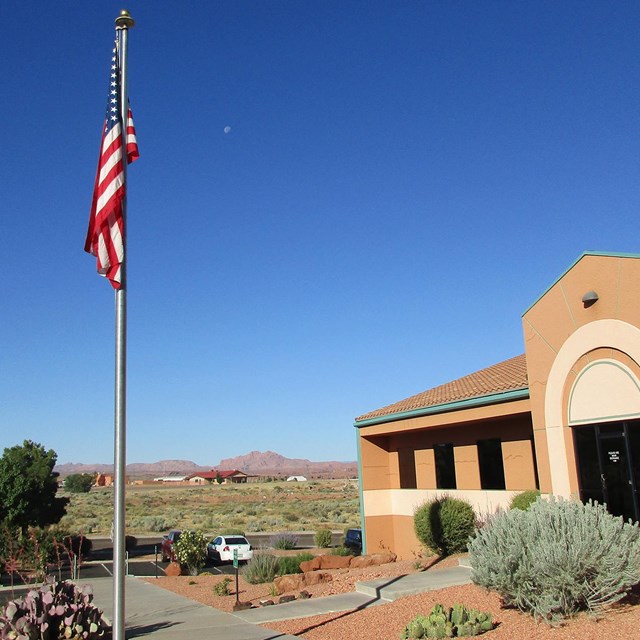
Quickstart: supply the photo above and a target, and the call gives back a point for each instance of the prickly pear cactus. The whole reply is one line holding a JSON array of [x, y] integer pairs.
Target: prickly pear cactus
[[458, 614], [58, 610], [456, 621], [415, 628]]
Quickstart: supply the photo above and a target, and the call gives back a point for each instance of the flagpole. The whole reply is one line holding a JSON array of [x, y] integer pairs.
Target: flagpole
[[123, 23]]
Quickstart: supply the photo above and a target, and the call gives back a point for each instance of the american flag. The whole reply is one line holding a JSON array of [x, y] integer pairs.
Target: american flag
[[105, 234]]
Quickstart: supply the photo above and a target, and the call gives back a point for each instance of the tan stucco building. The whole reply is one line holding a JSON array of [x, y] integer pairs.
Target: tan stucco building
[[564, 417]]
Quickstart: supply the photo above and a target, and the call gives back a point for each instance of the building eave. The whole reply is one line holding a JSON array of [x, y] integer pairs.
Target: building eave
[[468, 403]]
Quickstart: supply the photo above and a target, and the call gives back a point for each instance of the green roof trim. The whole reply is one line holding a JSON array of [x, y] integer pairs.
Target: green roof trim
[[603, 254], [469, 403]]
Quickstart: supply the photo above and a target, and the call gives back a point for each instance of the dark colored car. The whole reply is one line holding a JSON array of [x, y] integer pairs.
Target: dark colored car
[[167, 545], [353, 540]]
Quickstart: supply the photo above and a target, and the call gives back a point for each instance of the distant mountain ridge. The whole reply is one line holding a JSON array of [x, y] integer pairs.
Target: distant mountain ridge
[[271, 463], [267, 463]]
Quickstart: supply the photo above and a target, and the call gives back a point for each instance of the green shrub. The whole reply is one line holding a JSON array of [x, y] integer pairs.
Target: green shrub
[[342, 551], [524, 500], [27, 553], [291, 564], [284, 541], [454, 622], [323, 538], [445, 524], [78, 483], [191, 551], [222, 588], [557, 558], [263, 567]]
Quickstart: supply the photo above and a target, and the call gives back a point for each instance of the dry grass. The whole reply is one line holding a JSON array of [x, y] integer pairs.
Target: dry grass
[[251, 507]]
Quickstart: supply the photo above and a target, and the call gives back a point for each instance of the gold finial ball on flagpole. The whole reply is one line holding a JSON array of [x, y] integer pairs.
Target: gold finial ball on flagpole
[[124, 20]]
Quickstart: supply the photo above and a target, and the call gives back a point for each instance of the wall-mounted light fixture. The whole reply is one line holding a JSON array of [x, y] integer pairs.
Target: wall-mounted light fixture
[[589, 298]]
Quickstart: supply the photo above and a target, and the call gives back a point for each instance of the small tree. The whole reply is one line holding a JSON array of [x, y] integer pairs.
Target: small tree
[[28, 487], [191, 551], [78, 483]]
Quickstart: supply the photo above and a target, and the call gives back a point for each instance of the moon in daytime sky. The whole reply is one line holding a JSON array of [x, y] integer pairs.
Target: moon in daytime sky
[[227, 129]]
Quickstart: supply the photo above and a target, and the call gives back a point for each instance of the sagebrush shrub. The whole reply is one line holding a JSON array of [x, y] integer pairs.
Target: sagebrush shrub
[[155, 523], [284, 541], [445, 524], [263, 567], [557, 558], [524, 500], [323, 538]]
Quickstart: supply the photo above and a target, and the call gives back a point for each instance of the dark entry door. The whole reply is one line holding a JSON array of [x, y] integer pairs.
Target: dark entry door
[[606, 464], [618, 490]]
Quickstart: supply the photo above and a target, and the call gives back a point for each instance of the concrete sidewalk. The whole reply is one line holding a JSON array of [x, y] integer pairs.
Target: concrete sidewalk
[[367, 594], [154, 611]]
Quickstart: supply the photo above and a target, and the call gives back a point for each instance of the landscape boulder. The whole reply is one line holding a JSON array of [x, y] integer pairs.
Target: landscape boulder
[[330, 561], [173, 569], [310, 565], [316, 577], [292, 582], [297, 581], [327, 561], [372, 560]]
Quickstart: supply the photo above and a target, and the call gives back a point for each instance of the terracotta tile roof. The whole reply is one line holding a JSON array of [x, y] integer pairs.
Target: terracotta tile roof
[[510, 375], [213, 474]]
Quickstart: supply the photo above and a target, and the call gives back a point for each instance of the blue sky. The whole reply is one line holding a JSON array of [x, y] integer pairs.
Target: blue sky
[[400, 181]]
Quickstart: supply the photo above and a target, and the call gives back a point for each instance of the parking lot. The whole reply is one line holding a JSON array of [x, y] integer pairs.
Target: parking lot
[[139, 568], [144, 559]]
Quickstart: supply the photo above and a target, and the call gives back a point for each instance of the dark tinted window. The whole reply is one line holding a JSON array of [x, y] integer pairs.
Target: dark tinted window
[[407, 463], [445, 466], [491, 464], [236, 540]]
